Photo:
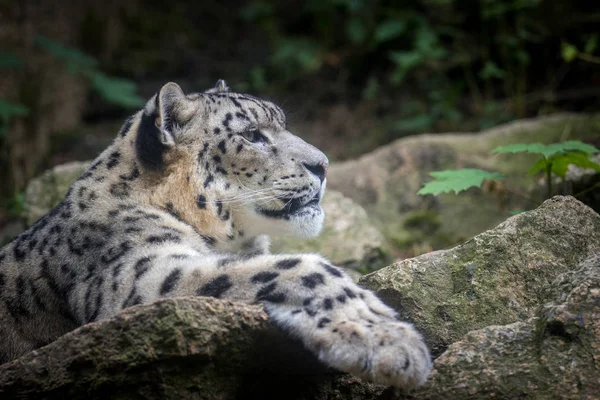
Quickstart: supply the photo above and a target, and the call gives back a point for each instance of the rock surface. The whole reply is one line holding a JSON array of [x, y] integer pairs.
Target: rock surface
[[48, 189], [553, 355], [499, 277], [385, 182], [184, 348], [348, 238]]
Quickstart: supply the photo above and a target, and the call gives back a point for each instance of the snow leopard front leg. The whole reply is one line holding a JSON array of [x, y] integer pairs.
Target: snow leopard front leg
[[346, 326]]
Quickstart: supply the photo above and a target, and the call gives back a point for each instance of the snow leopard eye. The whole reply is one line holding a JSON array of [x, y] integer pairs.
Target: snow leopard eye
[[254, 136]]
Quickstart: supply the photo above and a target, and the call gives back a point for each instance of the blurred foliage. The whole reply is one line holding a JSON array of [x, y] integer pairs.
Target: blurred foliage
[[15, 206], [121, 92], [118, 91], [450, 59], [9, 110], [555, 159]]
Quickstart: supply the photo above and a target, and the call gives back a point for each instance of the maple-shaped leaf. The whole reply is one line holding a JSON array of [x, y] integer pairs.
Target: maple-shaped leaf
[[561, 162], [548, 150], [457, 180]]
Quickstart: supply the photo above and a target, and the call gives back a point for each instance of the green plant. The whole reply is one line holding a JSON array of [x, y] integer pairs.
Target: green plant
[[570, 52], [8, 109], [555, 159], [119, 91], [15, 206], [456, 180], [443, 62]]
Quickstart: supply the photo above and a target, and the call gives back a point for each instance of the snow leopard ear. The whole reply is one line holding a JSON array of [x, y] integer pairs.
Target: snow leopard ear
[[163, 114], [170, 106], [220, 86]]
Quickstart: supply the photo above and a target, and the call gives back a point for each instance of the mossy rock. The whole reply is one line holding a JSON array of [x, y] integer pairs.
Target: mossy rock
[[385, 181], [50, 188], [498, 277], [552, 355], [181, 348]]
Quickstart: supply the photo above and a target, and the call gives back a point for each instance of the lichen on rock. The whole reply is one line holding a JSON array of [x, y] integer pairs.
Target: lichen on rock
[[553, 355], [498, 277]]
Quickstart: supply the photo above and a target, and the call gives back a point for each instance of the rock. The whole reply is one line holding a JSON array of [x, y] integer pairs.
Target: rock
[[385, 182], [499, 277], [47, 190], [348, 238], [180, 348], [553, 355]]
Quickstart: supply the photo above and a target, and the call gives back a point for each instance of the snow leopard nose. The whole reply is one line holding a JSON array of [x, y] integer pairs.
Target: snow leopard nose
[[319, 169]]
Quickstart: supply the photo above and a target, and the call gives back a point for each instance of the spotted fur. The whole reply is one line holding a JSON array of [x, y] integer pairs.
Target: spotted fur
[[180, 204]]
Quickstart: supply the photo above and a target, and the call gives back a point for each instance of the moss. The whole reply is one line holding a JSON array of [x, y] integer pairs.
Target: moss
[[425, 221]]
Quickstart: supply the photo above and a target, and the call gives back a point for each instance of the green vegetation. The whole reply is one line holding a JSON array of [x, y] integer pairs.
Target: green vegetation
[[447, 62], [555, 159], [457, 180], [9, 110], [121, 92]]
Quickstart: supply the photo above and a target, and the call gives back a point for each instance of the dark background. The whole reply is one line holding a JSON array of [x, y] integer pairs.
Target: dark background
[[351, 74]]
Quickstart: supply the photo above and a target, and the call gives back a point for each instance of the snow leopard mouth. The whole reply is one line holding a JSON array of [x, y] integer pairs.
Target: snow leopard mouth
[[293, 206]]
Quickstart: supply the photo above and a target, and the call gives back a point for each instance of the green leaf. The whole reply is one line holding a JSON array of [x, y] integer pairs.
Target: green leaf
[[547, 150], [561, 162], [540, 165], [356, 31], [406, 59], [9, 110], [75, 59], [535, 148], [491, 70], [116, 90], [579, 146], [591, 44], [9, 60], [298, 53], [389, 29], [371, 89], [457, 180], [568, 52]]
